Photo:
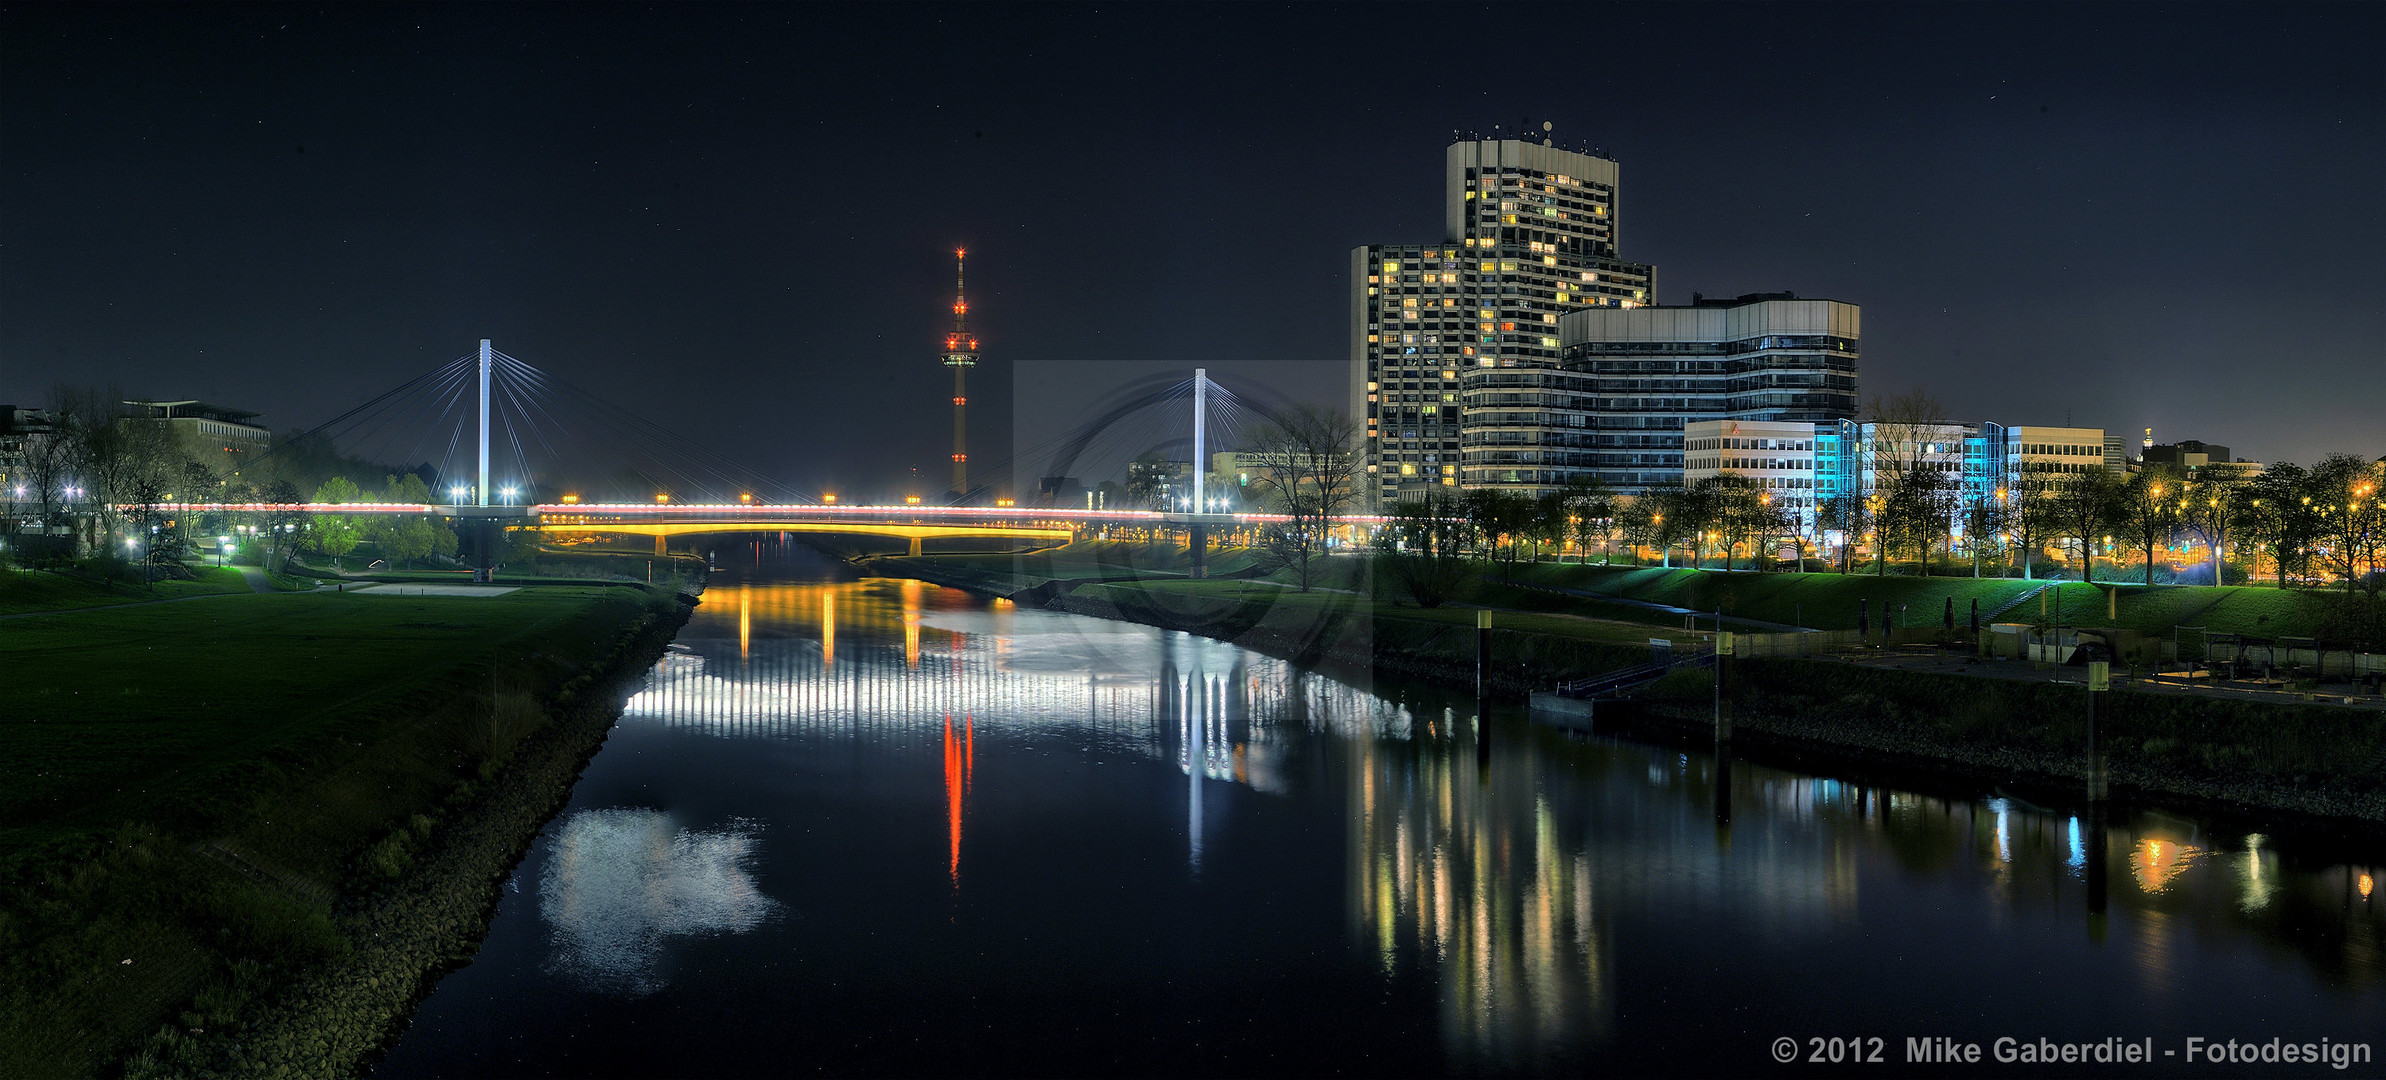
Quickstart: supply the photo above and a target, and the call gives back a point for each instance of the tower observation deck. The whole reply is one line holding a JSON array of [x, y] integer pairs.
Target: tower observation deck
[[960, 354]]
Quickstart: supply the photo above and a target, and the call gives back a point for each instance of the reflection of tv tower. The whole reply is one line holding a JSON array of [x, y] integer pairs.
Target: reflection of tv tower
[[960, 354]]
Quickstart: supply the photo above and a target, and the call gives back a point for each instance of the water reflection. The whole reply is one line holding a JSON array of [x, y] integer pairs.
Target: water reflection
[[1502, 877], [619, 883], [960, 767]]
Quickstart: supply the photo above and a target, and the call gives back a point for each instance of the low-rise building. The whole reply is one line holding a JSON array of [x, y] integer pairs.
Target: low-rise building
[[220, 438]]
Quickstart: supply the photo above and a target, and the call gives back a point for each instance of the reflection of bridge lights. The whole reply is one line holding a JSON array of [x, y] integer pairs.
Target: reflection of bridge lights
[[2366, 885]]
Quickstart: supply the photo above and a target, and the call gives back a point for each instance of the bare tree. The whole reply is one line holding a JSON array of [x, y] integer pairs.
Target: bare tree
[[2275, 512], [1591, 515], [2149, 510], [1424, 546], [1640, 520], [2345, 491], [1503, 521], [1302, 468], [1847, 514], [49, 458], [2029, 519], [1913, 457], [123, 461], [2209, 508], [2084, 506]]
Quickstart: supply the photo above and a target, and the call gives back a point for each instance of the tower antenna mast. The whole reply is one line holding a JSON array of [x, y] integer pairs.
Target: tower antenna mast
[[960, 354]]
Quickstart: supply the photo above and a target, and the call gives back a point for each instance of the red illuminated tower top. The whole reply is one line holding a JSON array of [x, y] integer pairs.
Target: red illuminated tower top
[[960, 349]]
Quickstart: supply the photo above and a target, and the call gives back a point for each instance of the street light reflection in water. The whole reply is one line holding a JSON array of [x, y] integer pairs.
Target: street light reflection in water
[[989, 815]]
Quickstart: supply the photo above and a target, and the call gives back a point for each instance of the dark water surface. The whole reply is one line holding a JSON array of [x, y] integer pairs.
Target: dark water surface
[[875, 826]]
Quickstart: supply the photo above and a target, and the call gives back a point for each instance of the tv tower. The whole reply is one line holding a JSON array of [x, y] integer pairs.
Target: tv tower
[[960, 354]]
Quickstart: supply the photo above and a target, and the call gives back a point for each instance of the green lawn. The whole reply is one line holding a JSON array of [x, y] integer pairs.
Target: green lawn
[[37, 590], [1264, 601], [1818, 601], [2155, 610], [139, 745]]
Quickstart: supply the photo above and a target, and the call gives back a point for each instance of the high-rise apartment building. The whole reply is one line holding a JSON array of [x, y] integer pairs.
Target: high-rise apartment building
[[1529, 234]]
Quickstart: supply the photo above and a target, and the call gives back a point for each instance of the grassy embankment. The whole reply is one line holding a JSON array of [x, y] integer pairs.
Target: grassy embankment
[[36, 590], [532, 564], [2306, 758], [206, 804]]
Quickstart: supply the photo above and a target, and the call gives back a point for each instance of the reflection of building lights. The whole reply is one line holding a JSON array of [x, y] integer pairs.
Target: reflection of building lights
[[2366, 886], [2156, 862]]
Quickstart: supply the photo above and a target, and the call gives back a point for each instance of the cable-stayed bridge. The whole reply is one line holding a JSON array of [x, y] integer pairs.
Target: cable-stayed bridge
[[518, 411]]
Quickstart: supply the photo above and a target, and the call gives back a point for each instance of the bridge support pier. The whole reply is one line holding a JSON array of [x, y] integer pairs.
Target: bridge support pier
[[1198, 538], [915, 547], [478, 543], [660, 546]]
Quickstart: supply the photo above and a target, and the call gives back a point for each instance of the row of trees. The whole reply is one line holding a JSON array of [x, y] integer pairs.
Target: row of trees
[[111, 475], [399, 537], [2318, 520]]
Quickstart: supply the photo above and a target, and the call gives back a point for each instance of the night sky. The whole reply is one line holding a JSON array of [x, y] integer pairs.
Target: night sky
[[739, 219]]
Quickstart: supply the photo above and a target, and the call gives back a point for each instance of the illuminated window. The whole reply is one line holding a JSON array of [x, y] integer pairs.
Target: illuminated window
[[1507, 266], [1408, 470], [1391, 266]]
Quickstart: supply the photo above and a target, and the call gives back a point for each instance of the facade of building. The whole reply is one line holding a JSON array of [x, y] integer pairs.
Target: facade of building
[[2039, 457], [1806, 465], [2197, 458], [1778, 456], [1530, 233], [220, 438], [1633, 380]]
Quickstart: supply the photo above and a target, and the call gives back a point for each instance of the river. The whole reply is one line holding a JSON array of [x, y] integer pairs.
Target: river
[[869, 826]]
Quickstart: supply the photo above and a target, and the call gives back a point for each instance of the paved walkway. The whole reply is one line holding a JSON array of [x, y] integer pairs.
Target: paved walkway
[[411, 589], [1645, 605]]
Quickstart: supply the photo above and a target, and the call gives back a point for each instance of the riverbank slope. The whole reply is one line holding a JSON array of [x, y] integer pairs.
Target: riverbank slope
[[206, 805]]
